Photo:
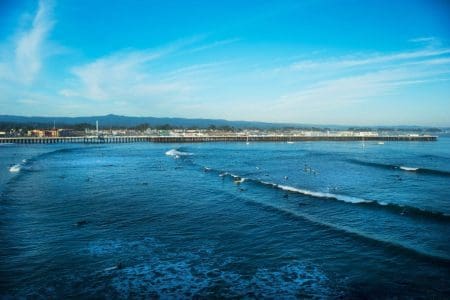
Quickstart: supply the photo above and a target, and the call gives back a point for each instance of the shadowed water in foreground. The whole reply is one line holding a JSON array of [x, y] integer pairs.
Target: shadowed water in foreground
[[319, 219]]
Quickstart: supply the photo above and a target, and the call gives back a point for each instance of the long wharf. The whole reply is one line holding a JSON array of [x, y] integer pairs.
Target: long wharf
[[199, 139]]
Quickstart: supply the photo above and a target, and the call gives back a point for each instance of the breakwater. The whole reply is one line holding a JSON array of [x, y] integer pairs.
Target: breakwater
[[198, 139]]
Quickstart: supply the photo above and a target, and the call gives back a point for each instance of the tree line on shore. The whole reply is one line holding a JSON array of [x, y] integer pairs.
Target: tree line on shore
[[8, 126]]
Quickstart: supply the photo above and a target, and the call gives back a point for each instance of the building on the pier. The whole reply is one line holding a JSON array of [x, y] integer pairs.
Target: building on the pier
[[36, 133], [367, 133], [69, 133], [51, 133]]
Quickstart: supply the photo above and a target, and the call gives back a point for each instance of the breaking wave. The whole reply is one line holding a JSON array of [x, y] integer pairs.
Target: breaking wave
[[410, 169], [27, 164], [177, 153], [399, 167], [405, 210], [24, 165], [15, 168]]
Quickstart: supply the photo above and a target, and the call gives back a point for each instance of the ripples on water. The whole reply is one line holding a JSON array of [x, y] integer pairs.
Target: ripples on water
[[321, 220]]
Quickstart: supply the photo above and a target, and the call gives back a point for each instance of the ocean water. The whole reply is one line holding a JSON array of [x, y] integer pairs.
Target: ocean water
[[274, 220]]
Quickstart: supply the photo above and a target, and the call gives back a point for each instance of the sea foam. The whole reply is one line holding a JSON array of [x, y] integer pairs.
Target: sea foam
[[16, 168], [177, 153], [348, 199], [409, 169]]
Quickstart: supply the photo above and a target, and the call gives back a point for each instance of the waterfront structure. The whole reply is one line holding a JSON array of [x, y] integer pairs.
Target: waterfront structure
[[196, 139]]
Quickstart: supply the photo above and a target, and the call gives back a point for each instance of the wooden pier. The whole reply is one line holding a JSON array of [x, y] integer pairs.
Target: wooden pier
[[201, 139]]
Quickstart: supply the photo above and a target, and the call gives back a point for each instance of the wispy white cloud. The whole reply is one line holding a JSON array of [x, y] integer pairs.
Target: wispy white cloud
[[141, 77], [368, 60], [345, 82], [348, 90], [429, 41], [195, 70], [129, 79], [31, 44], [23, 56], [123, 75], [215, 44]]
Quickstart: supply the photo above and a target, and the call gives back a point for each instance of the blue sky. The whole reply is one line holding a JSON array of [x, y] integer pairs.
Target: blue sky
[[322, 62]]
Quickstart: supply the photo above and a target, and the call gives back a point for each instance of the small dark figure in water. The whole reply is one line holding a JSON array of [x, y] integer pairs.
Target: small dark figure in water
[[286, 195], [82, 222], [145, 183], [404, 212], [119, 266], [286, 178]]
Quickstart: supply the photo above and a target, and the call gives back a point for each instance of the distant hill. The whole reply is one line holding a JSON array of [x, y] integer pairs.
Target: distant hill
[[125, 121], [116, 121]]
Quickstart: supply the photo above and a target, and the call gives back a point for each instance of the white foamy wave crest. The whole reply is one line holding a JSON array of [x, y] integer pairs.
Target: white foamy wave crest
[[16, 168], [409, 169], [236, 178], [344, 198], [175, 152], [348, 199], [229, 174]]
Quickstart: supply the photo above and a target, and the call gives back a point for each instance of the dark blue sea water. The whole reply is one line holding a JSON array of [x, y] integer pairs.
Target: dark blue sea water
[[307, 219]]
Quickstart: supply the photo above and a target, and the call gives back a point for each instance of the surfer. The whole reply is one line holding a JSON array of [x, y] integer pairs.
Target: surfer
[[82, 222], [119, 266], [238, 180]]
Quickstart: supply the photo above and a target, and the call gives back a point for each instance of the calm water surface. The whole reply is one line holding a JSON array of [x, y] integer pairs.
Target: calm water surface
[[308, 219]]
